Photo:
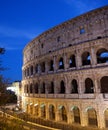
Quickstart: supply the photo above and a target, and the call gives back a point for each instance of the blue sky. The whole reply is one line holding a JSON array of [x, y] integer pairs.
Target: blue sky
[[23, 20]]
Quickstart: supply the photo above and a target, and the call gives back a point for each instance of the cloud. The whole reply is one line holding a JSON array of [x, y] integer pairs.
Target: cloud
[[15, 33]]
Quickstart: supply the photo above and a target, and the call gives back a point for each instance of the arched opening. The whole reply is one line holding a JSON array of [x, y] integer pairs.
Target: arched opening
[[76, 114], [92, 117], [63, 113], [51, 112], [36, 110], [102, 56], [72, 62], [104, 84], [86, 58], [51, 65], [74, 86], [51, 89], [43, 110], [31, 70], [61, 63], [62, 87], [27, 71], [89, 88], [31, 88], [43, 67], [106, 117], [36, 68], [36, 88], [43, 88], [27, 89]]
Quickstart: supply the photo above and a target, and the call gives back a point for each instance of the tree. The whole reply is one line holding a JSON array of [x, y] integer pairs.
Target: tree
[[3, 94], [3, 83], [2, 51]]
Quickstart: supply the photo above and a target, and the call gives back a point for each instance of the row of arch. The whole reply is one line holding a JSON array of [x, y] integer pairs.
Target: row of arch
[[101, 57], [74, 87], [62, 114]]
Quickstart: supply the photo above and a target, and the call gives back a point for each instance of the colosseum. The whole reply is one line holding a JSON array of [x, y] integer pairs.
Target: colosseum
[[65, 72]]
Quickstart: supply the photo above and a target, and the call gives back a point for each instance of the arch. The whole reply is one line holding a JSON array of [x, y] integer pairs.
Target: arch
[[51, 65], [31, 88], [36, 88], [76, 114], [92, 117], [43, 66], [89, 88], [63, 114], [43, 110], [74, 86], [31, 70], [27, 88], [106, 117], [104, 84], [51, 112], [51, 89], [86, 58], [61, 63], [27, 71], [43, 88], [72, 61], [102, 56], [62, 87], [36, 68]]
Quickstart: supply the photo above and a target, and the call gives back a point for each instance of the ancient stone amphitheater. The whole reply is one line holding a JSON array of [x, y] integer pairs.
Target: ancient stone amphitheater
[[65, 72]]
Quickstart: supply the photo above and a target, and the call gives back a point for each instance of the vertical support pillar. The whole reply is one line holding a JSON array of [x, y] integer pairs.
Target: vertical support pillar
[[78, 59], [47, 112], [65, 62], [100, 117], [83, 118], [55, 63], [46, 67], [93, 57]]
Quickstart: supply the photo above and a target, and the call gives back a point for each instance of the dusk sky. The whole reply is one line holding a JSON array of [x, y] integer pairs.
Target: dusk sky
[[23, 20]]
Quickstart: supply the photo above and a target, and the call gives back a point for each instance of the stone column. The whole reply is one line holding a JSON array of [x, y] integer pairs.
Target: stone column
[[96, 89], [81, 86], [69, 117], [56, 86], [100, 117], [78, 59], [83, 118], [65, 61], [93, 57], [55, 63], [47, 111], [39, 110], [46, 67], [67, 85], [57, 116], [39, 68]]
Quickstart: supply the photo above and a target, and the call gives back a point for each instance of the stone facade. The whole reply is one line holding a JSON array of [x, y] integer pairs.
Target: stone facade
[[65, 72]]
